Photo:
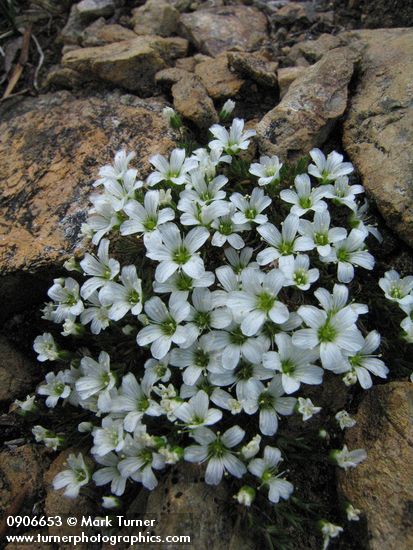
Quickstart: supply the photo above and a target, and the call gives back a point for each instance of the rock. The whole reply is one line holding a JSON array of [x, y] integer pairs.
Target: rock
[[131, 64], [92, 9], [219, 81], [170, 76], [295, 12], [99, 34], [155, 17], [72, 31], [386, 13], [58, 505], [213, 31], [254, 66], [21, 472], [308, 111], [52, 147], [184, 504], [286, 77], [186, 63], [313, 50], [378, 133], [192, 101], [382, 486], [63, 77], [17, 373]]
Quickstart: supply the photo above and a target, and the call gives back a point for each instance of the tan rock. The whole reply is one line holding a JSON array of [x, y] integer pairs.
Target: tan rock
[[295, 12], [308, 111], [378, 131], [254, 66], [51, 148], [192, 101], [185, 505], [131, 64], [217, 78], [313, 50], [63, 77], [17, 373], [155, 17], [215, 30], [170, 76], [382, 485], [286, 77], [186, 63], [99, 34], [21, 478]]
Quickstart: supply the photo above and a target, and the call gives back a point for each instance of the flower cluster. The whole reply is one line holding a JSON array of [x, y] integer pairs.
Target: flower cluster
[[228, 322]]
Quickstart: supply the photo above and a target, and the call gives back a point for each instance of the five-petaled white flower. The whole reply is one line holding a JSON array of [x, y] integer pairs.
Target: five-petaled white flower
[[196, 412], [304, 198], [266, 469], [233, 141], [102, 269], [124, 297], [173, 171], [267, 170], [328, 169], [250, 208], [396, 288], [146, 217], [74, 478]]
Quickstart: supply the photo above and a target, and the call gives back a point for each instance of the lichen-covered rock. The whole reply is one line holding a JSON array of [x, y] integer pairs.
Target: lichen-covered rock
[[52, 147], [17, 373], [307, 113], [131, 64], [286, 77], [378, 131], [184, 505], [155, 17], [219, 81], [254, 66], [382, 485], [216, 30]]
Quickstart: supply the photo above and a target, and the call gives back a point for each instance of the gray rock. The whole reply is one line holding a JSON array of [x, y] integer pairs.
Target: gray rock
[[92, 9]]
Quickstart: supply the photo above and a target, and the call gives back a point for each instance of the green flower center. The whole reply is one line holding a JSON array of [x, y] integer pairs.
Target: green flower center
[[305, 202], [201, 358], [181, 255], [321, 239], [300, 277], [287, 366], [225, 227], [134, 297], [265, 302], [286, 248], [244, 372], [216, 449], [80, 474], [343, 255], [168, 327], [184, 282], [150, 223], [202, 319], [237, 337], [396, 293], [265, 400], [250, 213], [143, 404], [59, 388], [327, 333]]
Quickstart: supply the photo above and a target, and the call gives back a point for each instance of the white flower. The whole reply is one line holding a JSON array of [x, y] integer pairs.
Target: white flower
[[110, 473], [348, 459], [333, 333], [227, 231], [110, 437], [110, 174], [245, 496], [203, 190], [125, 297], [257, 301], [233, 141], [227, 109], [102, 269], [196, 214], [164, 326], [304, 198], [297, 271], [146, 217], [345, 420], [196, 412], [111, 502], [96, 314], [294, 364], [74, 478], [48, 438], [216, 448], [397, 289], [46, 348], [330, 168], [353, 514], [250, 208], [156, 370], [329, 531], [26, 406], [363, 362], [332, 303], [252, 448], [284, 243], [267, 170], [172, 117], [176, 253], [139, 463], [55, 388], [347, 253], [65, 292], [202, 356], [209, 160], [180, 284], [320, 233], [270, 401], [95, 376], [407, 326], [359, 219], [343, 193], [266, 469], [307, 408], [101, 220], [239, 260], [173, 171], [235, 346]]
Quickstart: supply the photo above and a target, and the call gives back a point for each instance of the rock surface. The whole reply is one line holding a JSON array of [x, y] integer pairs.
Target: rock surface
[[184, 504], [307, 113], [313, 50], [52, 147], [219, 81], [378, 132], [92, 9], [254, 66], [131, 64], [286, 77], [382, 486], [155, 17], [17, 373], [192, 101], [216, 30], [99, 34]]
